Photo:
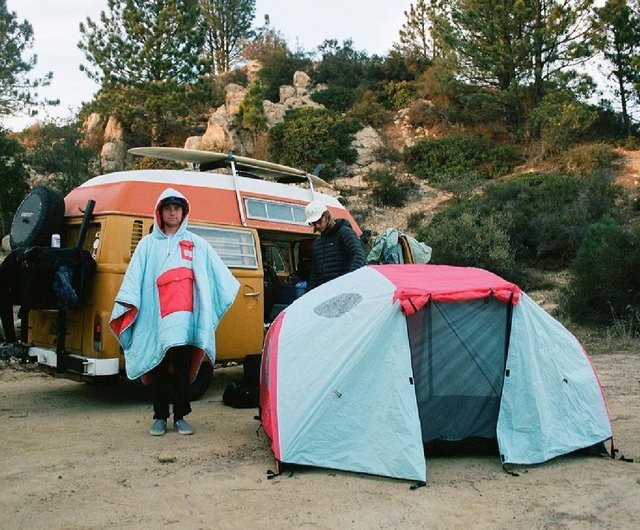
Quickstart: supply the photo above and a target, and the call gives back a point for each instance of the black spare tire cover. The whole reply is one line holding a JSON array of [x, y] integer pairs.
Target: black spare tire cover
[[40, 214]]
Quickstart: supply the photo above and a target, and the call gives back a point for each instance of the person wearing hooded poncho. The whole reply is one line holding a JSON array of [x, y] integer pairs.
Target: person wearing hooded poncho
[[173, 295]]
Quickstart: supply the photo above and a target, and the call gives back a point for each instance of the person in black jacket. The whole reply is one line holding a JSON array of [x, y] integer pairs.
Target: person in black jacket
[[337, 250]]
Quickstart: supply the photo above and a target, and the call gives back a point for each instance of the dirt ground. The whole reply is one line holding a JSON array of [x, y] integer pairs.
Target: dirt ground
[[79, 456]]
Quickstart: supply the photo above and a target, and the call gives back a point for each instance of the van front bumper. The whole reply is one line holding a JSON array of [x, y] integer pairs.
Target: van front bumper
[[86, 366]]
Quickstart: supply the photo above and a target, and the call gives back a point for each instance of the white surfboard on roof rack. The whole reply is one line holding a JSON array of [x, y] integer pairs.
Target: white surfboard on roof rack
[[205, 160]]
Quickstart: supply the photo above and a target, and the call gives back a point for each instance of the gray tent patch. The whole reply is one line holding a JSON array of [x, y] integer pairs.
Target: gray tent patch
[[338, 305]]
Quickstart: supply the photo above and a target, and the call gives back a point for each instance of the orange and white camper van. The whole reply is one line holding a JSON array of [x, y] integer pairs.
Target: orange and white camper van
[[250, 211]]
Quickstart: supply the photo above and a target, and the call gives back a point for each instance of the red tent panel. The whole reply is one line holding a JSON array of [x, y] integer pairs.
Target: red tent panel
[[416, 285], [269, 386]]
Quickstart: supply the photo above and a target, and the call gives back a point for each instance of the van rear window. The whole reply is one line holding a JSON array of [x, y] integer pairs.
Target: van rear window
[[275, 211], [235, 247]]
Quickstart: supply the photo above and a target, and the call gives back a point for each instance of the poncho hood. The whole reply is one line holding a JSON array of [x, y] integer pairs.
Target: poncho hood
[[157, 218]]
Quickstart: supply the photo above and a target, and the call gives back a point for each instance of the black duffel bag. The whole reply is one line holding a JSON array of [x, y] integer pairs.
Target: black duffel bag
[[241, 395]]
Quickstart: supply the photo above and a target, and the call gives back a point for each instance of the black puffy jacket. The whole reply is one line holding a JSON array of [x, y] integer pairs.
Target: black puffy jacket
[[336, 252]]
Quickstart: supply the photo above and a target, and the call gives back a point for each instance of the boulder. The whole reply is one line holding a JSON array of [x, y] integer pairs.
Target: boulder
[[113, 131], [287, 95], [193, 142], [301, 81], [93, 132], [218, 136], [252, 68], [112, 156], [366, 142], [274, 112], [234, 94]]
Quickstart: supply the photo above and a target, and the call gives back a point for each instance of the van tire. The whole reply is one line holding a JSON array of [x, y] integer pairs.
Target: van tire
[[40, 214], [251, 369], [202, 381]]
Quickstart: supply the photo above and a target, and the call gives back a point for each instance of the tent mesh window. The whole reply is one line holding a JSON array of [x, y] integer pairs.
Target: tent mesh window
[[458, 356]]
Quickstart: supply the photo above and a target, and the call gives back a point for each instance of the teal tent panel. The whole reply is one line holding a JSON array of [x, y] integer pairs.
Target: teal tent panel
[[346, 398], [552, 401]]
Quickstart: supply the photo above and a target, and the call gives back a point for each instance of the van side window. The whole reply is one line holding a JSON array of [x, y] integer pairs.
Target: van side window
[[275, 211], [273, 257], [236, 248]]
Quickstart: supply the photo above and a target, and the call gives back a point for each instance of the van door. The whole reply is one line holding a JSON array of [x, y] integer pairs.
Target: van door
[[242, 329]]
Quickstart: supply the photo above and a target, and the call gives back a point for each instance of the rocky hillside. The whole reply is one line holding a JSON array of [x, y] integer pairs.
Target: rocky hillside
[[106, 136]]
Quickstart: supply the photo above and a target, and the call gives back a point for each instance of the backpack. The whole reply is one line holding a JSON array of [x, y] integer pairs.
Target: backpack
[[241, 395]]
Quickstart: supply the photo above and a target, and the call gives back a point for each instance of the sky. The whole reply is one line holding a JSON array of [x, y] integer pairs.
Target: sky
[[373, 26]]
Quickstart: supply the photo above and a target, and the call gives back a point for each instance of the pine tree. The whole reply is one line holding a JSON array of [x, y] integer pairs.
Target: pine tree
[[560, 39], [266, 41], [145, 55], [418, 42], [619, 42], [516, 47], [227, 25], [18, 92]]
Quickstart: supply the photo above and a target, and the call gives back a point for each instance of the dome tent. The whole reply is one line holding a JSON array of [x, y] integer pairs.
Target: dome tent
[[362, 371]]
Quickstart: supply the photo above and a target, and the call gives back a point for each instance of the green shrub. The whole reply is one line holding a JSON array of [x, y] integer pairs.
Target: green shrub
[[388, 154], [251, 112], [501, 159], [400, 93], [605, 284], [416, 220], [56, 151], [600, 196], [14, 180], [545, 218], [368, 110], [590, 157], [278, 67], [468, 237], [458, 102], [309, 137], [387, 189], [335, 97], [562, 120], [424, 114], [341, 64], [456, 163], [550, 212], [632, 143]]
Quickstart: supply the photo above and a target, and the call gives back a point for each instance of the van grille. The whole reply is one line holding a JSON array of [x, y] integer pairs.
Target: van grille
[[136, 235]]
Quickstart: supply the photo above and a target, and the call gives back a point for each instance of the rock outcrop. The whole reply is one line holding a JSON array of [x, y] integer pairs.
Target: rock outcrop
[[112, 156], [93, 135], [290, 97], [367, 143], [223, 135], [107, 138]]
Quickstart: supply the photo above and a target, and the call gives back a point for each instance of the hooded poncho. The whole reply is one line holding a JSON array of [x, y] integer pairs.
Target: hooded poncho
[[174, 292]]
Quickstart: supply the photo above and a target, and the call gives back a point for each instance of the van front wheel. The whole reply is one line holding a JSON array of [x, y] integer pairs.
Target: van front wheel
[[201, 382]]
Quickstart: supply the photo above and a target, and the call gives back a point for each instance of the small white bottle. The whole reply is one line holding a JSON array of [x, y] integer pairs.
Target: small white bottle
[[55, 240]]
